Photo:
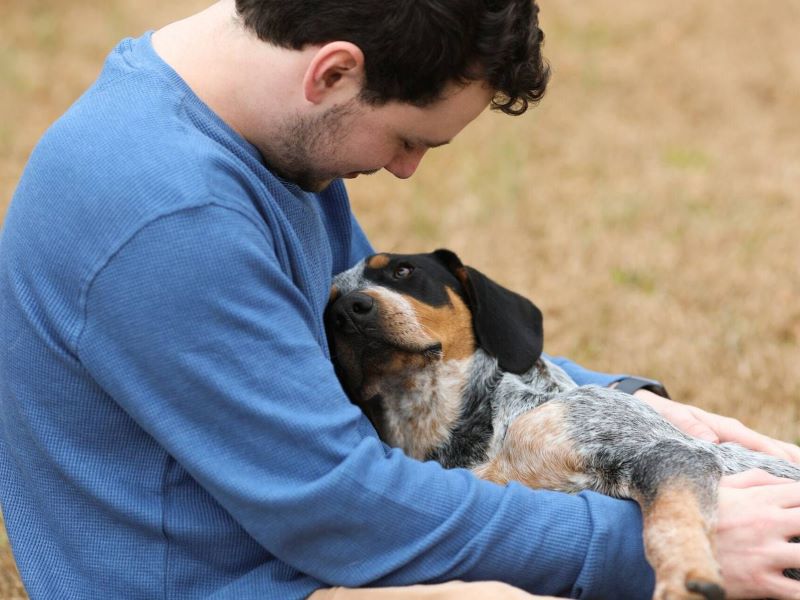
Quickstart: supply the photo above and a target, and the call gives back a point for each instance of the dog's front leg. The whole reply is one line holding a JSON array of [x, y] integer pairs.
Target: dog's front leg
[[676, 486]]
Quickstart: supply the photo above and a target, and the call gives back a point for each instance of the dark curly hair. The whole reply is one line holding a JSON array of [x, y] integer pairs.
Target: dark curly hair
[[414, 48]]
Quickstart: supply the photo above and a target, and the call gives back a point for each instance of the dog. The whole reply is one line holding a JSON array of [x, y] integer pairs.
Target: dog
[[447, 365]]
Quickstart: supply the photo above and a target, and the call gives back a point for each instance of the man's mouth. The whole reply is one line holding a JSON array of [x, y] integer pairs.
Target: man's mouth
[[354, 174]]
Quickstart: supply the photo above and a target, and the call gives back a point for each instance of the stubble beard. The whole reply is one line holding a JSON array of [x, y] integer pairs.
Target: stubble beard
[[302, 143]]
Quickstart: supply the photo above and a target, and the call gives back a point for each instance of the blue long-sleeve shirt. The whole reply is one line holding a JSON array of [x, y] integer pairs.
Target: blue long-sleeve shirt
[[170, 423]]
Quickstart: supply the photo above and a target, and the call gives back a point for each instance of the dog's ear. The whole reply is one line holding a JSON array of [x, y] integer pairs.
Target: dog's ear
[[507, 326]]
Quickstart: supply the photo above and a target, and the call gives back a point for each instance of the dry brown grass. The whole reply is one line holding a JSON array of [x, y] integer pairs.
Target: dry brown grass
[[650, 205]]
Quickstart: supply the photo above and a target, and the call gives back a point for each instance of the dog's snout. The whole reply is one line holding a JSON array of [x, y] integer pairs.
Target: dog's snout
[[352, 310]]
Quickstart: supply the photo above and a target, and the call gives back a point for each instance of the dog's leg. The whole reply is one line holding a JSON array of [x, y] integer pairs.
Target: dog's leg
[[538, 452], [676, 486]]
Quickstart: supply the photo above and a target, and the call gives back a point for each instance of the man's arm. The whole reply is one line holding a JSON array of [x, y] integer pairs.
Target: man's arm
[[213, 351], [582, 375]]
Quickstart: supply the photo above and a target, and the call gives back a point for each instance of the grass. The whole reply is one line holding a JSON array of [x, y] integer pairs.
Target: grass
[[649, 205]]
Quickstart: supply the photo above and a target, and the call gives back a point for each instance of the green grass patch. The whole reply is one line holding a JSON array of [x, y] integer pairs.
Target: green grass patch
[[687, 158], [10, 78], [45, 29], [635, 279]]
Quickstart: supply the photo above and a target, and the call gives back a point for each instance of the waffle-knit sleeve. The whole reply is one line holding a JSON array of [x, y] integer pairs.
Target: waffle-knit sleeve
[[198, 334]]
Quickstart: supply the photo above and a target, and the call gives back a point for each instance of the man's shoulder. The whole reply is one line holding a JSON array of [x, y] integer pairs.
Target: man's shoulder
[[123, 156], [132, 147]]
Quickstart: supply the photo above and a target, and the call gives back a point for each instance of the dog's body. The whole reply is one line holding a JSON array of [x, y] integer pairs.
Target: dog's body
[[447, 364]]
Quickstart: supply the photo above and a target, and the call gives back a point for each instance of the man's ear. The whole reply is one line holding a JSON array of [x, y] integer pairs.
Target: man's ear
[[507, 326], [336, 67]]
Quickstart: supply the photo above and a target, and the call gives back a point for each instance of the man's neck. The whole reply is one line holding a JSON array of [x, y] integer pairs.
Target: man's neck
[[248, 83]]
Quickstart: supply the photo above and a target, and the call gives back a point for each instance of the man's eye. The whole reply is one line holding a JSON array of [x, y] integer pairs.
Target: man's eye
[[403, 271], [407, 146]]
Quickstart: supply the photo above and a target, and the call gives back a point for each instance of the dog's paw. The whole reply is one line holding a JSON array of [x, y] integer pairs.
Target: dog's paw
[[694, 588], [709, 590]]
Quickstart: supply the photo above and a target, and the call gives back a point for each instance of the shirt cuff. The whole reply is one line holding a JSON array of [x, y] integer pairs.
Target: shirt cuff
[[583, 376]]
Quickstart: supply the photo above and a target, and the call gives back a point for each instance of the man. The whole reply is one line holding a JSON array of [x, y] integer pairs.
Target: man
[[172, 426]]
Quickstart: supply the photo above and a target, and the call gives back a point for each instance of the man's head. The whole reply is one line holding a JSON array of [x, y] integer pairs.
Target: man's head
[[351, 138], [377, 84], [414, 49]]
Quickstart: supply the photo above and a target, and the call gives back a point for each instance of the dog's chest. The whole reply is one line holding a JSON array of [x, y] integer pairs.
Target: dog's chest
[[421, 410]]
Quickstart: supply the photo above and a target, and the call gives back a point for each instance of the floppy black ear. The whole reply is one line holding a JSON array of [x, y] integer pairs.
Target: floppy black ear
[[507, 326]]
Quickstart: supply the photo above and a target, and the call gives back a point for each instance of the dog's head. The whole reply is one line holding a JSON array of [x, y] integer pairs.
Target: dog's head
[[392, 316]]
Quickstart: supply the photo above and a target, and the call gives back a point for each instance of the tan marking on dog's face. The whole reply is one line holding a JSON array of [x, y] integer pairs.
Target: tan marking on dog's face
[[679, 540], [414, 325], [379, 261], [334, 294], [450, 325], [398, 320], [538, 453]]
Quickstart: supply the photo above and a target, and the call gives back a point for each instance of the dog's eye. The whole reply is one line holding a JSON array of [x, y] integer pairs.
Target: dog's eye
[[403, 271]]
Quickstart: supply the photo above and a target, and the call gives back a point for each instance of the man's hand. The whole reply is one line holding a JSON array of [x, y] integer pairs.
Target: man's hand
[[758, 513], [714, 428]]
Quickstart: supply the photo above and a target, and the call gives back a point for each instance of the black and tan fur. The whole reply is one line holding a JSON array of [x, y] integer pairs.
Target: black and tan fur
[[448, 365]]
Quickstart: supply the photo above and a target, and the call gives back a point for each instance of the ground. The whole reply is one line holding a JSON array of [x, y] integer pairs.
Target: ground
[[649, 205]]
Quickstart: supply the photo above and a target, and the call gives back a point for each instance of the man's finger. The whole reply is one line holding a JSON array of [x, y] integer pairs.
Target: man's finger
[[789, 497], [733, 430], [779, 586], [751, 478], [780, 449], [791, 526], [792, 451], [701, 431]]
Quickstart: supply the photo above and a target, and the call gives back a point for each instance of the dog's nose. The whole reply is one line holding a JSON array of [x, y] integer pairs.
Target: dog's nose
[[353, 309], [360, 304]]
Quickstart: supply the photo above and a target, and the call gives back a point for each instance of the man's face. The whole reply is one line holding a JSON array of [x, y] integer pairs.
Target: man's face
[[355, 138]]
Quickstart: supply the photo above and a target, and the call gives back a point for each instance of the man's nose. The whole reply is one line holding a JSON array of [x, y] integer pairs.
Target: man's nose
[[404, 165]]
